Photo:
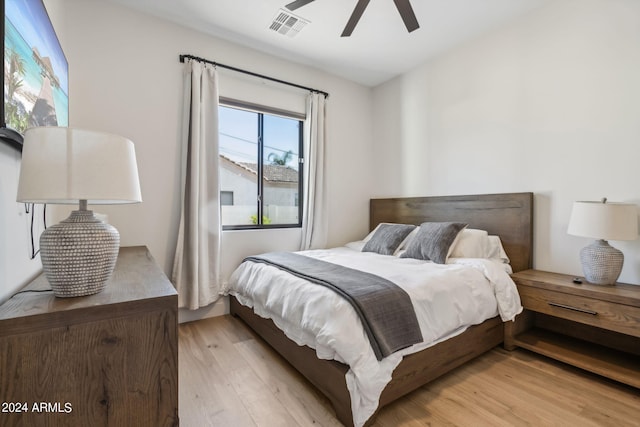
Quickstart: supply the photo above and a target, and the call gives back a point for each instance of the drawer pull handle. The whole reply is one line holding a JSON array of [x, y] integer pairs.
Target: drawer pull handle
[[568, 307]]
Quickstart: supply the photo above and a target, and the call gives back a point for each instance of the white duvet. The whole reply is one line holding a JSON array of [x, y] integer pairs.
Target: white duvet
[[447, 299]]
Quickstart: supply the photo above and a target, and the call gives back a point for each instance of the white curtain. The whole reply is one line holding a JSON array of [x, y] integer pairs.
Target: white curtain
[[314, 219], [197, 261]]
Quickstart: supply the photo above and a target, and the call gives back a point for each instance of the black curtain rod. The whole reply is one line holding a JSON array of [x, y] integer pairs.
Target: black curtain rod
[[239, 70]]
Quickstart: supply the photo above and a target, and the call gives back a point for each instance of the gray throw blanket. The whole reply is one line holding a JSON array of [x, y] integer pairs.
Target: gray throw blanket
[[384, 308]]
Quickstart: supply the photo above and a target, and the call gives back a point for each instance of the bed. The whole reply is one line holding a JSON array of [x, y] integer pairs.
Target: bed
[[508, 216]]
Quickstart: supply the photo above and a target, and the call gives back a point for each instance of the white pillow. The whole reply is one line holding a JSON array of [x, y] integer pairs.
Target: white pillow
[[470, 243], [357, 245], [496, 250]]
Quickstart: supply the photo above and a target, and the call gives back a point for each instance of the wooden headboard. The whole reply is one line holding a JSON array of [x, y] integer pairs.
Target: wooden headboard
[[508, 215]]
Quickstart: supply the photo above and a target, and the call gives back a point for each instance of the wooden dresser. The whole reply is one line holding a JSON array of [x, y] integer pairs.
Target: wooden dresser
[[596, 328], [109, 359]]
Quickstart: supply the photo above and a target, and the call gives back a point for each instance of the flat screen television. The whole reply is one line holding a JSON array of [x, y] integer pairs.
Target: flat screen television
[[36, 72]]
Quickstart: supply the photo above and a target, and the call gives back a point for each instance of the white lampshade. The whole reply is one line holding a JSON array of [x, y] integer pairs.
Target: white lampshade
[[66, 165], [74, 166], [606, 221]]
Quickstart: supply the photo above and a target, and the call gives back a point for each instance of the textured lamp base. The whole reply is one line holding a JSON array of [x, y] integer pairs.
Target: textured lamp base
[[601, 263], [79, 254]]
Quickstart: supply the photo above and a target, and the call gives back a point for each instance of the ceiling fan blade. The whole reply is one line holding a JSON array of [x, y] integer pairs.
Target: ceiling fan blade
[[406, 12], [298, 3], [355, 17]]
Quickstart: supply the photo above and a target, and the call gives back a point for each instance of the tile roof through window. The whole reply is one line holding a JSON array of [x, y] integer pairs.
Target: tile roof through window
[[272, 173]]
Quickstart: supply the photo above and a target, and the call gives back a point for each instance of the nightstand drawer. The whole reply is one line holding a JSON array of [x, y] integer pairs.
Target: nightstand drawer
[[602, 314]]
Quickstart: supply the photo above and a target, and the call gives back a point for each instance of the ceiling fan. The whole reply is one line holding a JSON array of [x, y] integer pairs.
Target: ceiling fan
[[404, 7]]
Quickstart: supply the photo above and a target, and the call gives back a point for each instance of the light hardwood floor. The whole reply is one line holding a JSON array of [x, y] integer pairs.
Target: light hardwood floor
[[229, 377]]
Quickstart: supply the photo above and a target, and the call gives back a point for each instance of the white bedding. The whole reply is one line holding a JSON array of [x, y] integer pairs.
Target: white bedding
[[447, 299]]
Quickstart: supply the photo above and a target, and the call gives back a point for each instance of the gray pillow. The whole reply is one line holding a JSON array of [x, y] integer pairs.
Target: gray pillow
[[387, 238], [432, 241]]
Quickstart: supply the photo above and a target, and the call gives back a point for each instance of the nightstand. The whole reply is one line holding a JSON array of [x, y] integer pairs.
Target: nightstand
[[109, 359], [596, 328]]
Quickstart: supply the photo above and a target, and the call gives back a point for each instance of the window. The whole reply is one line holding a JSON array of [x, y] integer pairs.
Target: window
[[260, 167], [226, 198]]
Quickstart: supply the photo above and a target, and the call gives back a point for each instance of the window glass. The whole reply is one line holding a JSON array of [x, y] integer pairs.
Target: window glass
[[226, 198], [280, 171], [238, 163], [252, 144]]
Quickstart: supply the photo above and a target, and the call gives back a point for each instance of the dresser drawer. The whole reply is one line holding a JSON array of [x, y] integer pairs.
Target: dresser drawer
[[603, 314]]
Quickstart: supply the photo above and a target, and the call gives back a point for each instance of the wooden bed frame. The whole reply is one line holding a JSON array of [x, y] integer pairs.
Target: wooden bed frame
[[507, 215]]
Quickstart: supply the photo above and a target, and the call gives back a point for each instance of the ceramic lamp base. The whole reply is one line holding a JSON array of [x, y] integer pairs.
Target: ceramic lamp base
[[79, 254], [601, 263]]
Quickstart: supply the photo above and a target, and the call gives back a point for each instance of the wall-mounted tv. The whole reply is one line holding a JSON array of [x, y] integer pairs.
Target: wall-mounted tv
[[36, 72]]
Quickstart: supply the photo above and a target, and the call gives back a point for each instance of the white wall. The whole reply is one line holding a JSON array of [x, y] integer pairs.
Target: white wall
[[549, 104], [125, 78], [16, 266]]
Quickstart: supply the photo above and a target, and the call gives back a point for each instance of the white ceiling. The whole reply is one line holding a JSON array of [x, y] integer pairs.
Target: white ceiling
[[379, 48]]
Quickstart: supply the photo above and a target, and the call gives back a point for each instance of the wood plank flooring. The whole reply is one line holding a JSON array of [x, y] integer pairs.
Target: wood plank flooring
[[229, 377]]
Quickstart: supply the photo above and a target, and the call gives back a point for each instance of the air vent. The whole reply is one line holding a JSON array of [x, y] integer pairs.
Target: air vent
[[287, 23]]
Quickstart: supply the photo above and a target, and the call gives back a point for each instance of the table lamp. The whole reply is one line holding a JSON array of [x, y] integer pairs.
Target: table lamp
[[68, 166], [602, 263]]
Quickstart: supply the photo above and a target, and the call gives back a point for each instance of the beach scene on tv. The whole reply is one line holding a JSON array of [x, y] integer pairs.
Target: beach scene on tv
[[35, 69]]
